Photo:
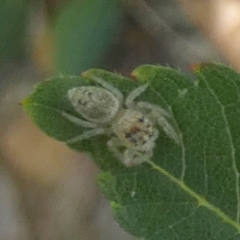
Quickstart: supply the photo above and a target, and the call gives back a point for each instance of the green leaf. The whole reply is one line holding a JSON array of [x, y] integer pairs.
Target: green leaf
[[184, 192], [84, 30]]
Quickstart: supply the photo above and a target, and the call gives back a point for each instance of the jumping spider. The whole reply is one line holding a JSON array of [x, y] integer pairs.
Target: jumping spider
[[131, 125]]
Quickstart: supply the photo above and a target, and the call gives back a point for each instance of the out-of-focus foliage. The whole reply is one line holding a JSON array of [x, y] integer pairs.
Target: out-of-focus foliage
[[83, 31], [13, 25]]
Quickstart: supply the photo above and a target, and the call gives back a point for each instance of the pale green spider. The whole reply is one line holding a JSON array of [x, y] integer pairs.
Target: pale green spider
[[131, 126]]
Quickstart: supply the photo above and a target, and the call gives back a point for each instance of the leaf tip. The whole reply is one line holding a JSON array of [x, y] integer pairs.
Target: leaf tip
[[118, 210], [199, 66], [92, 73], [137, 72], [116, 206], [25, 102], [143, 73], [85, 74]]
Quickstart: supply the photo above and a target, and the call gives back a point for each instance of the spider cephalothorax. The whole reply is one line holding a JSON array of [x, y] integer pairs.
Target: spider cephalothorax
[[132, 126]]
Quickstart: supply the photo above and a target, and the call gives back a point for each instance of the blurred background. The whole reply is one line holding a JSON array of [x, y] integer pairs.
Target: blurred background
[[48, 192]]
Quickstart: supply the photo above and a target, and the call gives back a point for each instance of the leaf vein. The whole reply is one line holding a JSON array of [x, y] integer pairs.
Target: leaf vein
[[233, 151], [183, 157], [201, 201]]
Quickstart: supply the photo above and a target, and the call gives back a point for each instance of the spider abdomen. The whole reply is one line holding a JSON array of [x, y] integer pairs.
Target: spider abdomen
[[93, 103]]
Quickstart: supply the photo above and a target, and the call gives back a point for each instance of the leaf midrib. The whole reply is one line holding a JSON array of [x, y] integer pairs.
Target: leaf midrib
[[233, 151], [201, 201]]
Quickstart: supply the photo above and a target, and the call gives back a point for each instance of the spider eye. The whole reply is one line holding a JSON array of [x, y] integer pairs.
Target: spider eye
[[89, 94], [81, 102], [141, 119]]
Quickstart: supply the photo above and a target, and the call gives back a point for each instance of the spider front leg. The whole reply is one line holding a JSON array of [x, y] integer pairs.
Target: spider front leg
[[88, 134], [85, 124], [78, 121], [161, 115], [114, 144], [134, 94], [134, 158], [130, 156]]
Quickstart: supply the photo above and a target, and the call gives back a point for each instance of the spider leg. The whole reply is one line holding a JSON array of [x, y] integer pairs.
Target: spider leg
[[134, 94], [154, 107], [168, 129], [113, 145], [160, 115], [79, 121], [109, 87], [133, 157], [130, 156], [154, 136], [88, 134]]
